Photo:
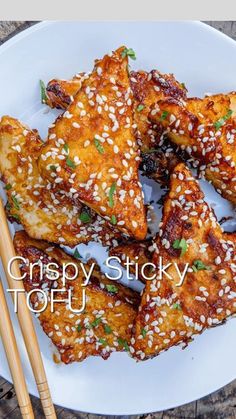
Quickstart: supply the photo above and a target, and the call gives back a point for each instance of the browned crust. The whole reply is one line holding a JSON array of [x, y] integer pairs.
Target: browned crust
[[117, 310], [170, 314], [107, 112], [205, 129], [44, 210]]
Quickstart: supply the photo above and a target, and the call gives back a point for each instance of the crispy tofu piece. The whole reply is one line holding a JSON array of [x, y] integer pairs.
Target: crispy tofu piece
[[205, 129], [94, 147], [189, 234], [106, 323], [45, 211], [60, 93], [137, 252], [147, 89], [157, 163]]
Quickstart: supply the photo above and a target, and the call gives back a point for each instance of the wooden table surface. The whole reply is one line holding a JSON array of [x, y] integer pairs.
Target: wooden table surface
[[219, 405]]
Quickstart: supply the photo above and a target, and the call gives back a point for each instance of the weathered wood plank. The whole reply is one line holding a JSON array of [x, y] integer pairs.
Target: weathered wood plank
[[4, 388], [221, 404], [10, 28], [8, 403], [229, 28], [188, 411]]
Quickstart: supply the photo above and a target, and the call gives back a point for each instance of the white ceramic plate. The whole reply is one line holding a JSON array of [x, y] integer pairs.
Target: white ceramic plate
[[206, 61]]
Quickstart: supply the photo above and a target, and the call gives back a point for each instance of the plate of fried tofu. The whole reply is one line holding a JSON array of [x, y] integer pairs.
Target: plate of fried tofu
[[117, 157]]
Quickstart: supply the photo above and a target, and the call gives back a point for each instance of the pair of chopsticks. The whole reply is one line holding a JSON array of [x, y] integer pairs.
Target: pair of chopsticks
[[7, 252]]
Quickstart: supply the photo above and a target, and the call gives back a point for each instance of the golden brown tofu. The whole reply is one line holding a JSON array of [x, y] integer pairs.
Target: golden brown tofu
[[173, 310], [106, 323], [147, 89], [60, 93], [205, 129], [94, 149], [45, 211]]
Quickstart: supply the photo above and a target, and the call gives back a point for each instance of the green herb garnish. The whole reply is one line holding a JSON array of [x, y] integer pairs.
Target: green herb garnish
[[102, 341], [107, 329], [111, 288], [70, 163], [140, 107], [8, 206], [123, 343], [77, 255], [85, 217], [164, 115], [43, 92], [98, 146], [180, 244], [176, 306], [16, 203], [96, 322], [53, 167], [198, 265], [113, 220], [128, 52], [218, 124], [111, 193], [16, 216], [66, 148], [8, 187], [79, 328], [151, 150], [144, 332], [183, 86]]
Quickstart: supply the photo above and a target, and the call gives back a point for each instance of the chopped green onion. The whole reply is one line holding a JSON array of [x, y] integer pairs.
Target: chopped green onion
[[198, 265], [43, 92], [107, 329], [16, 203], [70, 163], [8, 187], [77, 255], [66, 148], [111, 288], [98, 146], [164, 115], [151, 150], [85, 217], [113, 220], [96, 322], [111, 193], [123, 343], [176, 306], [102, 341], [53, 167], [128, 52], [8, 206], [79, 328], [144, 332], [218, 124], [180, 244], [140, 107]]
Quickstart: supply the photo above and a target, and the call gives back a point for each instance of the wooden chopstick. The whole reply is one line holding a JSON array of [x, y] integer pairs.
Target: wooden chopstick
[[13, 357], [7, 252]]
